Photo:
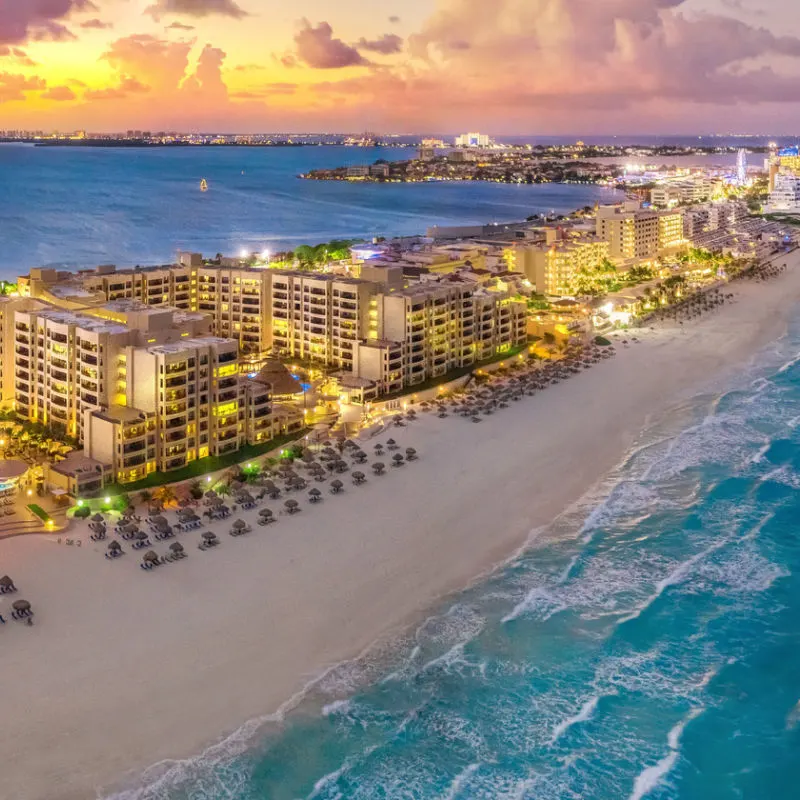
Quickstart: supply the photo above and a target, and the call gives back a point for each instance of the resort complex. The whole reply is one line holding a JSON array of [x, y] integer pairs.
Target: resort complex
[[150, 369]]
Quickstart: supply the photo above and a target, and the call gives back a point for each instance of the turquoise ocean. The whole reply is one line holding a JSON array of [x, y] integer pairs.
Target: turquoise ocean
[[645, 645]]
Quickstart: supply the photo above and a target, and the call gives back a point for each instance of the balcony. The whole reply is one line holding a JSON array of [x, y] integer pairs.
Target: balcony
[[133, 447]]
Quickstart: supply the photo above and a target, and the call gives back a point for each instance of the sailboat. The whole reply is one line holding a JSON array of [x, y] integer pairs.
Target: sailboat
[[203, 185]]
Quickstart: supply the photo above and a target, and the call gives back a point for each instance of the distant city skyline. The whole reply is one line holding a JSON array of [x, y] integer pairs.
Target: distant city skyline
[[545, 66]]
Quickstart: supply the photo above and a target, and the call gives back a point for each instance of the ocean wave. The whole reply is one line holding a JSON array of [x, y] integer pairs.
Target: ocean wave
[[460, 782], [584, 713], [651, 778], [675, 577]]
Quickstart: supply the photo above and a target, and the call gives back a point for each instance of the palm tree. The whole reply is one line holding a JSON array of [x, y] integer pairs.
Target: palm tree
[[145, 496], [223, 490], [166, 495]]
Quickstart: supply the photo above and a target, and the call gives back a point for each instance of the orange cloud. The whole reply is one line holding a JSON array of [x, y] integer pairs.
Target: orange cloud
[[126, 87], [58, 93], [14, 87]]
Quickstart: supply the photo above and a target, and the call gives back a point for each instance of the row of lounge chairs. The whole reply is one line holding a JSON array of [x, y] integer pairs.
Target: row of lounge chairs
[[152, 559]]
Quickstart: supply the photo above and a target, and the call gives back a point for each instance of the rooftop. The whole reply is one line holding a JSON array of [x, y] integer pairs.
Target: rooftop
[[121, 414]]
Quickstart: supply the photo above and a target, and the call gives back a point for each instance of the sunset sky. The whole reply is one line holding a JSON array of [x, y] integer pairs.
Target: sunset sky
[[504, 66]]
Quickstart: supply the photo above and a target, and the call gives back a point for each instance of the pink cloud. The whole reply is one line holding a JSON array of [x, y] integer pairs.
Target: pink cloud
[[96, 25], [21, 20], [317, 47], [385, 45], [196, 8]]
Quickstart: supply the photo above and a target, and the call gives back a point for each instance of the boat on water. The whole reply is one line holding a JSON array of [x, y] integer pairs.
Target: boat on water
[[203, 185]]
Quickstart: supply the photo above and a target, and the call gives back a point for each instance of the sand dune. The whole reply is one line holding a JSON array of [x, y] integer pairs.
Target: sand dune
[[124, 668]]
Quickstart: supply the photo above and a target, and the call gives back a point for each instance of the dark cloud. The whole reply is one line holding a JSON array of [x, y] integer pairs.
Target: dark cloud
[[179, 26], [196, 8], [316, 47], [96, 24], [22, 20], [385, 45], [58, 93], [394, 20]]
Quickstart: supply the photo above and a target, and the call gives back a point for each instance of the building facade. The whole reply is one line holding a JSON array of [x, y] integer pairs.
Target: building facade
[[637, 234]]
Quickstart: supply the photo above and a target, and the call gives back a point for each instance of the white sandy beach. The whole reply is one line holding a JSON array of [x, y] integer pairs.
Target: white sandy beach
[[125, 668]]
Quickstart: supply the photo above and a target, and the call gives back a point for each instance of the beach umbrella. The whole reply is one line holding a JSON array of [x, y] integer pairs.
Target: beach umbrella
[[159, 520], [291, 505], [265, 513], [336, 486], [176, 547], [314, 495], [209, 536], [6, 582], [410, 452], [114, 546], [98, 518], [21, 605], [141, 536], [185, 513], [398, 459], [239, 525], [150, 555], [378, 447], [390, 443], [378, 467], [359, 477]]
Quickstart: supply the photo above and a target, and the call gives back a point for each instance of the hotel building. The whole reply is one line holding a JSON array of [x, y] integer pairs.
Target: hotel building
[[321, 318], [637, 234], [552, 266], [236, 298], [426, 331]]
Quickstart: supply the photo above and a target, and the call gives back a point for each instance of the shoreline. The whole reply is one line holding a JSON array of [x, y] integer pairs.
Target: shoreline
[[205, 645]]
